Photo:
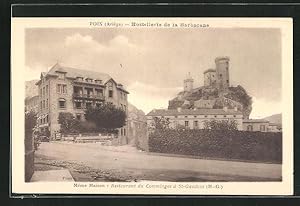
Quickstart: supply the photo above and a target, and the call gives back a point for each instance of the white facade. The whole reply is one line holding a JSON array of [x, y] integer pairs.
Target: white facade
[[196, 120]]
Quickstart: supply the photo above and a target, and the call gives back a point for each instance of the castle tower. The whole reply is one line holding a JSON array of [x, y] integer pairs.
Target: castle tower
[[188, 83], [209, 77], [222, 72]]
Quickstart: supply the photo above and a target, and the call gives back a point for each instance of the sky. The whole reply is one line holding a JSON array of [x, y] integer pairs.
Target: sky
[[152, 63]]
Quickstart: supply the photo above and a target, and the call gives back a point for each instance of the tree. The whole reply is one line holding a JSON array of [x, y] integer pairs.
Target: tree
[[68, 123], [160, 123], [30, 123], [220, 125], [107, 116]]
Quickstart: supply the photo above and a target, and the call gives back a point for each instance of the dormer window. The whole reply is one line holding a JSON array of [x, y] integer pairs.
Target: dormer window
[[61, 75], [79, 78], [89, 80], [97, 81]]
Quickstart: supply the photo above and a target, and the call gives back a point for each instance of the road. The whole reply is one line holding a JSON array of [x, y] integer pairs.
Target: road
[[127, 161]]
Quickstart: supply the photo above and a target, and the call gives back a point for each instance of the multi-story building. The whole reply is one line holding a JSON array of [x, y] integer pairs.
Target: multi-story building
[[195, 118], [65, 89]]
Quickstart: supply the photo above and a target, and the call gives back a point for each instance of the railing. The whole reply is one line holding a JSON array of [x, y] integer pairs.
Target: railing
[[89, 96]]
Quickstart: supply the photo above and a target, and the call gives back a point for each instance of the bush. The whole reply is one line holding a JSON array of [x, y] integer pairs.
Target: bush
[[68, 123], [220, 125], [107, 116], [228, 144]]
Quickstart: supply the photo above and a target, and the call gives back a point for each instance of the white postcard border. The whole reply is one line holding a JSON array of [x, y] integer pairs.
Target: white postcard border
[[18, 184]]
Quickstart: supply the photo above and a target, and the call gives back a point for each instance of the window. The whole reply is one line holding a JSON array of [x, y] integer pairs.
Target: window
[[215, 116], [124, 132], [121, 132], [110, 93], [186, 116], [195, 124], [61, 88], [47, 118], [78, 116], [40, 91], [47, 90], [79, 78], [262, 128], [47, 103], [195, 116], [110, 89], [186, 123], [43, 104], [78, 105], [205, 116], [61, 75], [62, 103], [220, 75], [249, 128], [234, 115], [175, 116], [99, 92], [89, 80], [88, 104], [98, 105], [225, 116]]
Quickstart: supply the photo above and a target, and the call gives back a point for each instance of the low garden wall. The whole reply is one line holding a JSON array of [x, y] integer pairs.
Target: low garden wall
[[238, 145]]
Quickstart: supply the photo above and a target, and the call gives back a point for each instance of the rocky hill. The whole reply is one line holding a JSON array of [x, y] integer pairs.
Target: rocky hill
[[276, 119], [31, 89], [210, 97], [135, 113]]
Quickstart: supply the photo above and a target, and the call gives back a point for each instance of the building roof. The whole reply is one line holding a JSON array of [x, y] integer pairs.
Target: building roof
[[174, 112], [255, 121], [74, 73], [273, 124], [209, 70]]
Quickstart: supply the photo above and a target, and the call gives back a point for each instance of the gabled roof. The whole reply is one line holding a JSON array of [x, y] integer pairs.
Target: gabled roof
[[74, 73], [174, 112]]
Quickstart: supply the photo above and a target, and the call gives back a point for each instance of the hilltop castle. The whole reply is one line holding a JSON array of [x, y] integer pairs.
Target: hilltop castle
[[215, 78], [216, 92]]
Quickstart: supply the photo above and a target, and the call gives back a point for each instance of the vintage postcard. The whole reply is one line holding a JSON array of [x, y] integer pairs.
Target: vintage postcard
[[152, 106]]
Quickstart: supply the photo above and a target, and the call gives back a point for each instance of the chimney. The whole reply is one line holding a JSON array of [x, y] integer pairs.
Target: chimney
[[179, 109], [235, 109], [225, 109]]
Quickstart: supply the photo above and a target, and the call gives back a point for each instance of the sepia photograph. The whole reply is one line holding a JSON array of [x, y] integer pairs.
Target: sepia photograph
[[171, 104]]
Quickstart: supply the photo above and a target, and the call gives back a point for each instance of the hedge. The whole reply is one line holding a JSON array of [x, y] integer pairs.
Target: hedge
[[229, 144]]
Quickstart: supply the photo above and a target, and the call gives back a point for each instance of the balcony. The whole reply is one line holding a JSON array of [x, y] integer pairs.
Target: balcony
[[89, 96]]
